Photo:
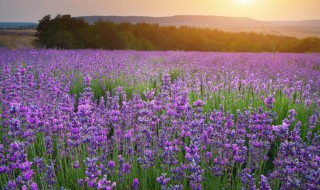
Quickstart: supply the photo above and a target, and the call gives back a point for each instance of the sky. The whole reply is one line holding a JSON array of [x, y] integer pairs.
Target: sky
[[267, 10]]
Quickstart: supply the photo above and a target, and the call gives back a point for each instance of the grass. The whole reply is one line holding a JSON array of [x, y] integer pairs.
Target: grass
[[16, 42]]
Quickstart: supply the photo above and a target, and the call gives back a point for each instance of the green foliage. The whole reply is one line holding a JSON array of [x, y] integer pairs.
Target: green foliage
[[66, 32], [62, 38], [174, 74], [63, 32]]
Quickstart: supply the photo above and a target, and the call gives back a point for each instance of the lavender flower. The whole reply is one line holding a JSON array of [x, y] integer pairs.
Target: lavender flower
[[111, 165], [269, 102], [50, 175], [247, 179], [135, 184], [264, 185], [163, 180]]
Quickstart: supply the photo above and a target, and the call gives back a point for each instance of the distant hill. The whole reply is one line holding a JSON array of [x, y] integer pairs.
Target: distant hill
[[300, 29], [17, 25], [306, 23]]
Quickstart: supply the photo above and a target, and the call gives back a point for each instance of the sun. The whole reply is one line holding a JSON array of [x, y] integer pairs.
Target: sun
[[245, 1]]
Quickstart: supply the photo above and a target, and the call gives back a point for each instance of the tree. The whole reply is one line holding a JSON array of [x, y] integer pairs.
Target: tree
[[66, 32], [63, 32], [61, 39], [42, 30]]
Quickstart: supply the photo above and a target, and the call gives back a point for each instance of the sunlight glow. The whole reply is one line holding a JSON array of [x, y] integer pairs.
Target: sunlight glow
[[245, 1]]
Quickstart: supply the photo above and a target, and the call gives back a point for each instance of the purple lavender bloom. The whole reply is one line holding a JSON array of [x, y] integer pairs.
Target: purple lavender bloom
[[34, 186], [16, 155], [308, 104], [264, 185], [27, 175], [208, 156], [92, 172], [135, 184], [313, 179], [126, 168], [76, 164], [111, 165], [3, 166], [269, 102], [179, 172], [39, 163], [247, 179], [163, 180], [292, 115], [198, 103], [50, 176], [11, 185], [313, 121], [105, 184], [81, 183]]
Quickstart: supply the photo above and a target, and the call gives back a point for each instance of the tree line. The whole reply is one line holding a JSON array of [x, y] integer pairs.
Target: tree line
[[66, 32]]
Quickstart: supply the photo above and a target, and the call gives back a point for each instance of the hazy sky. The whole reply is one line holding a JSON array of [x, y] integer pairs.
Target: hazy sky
[[34, 10]]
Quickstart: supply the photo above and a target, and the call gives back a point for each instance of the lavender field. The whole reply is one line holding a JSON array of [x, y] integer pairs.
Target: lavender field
[[93, 119]]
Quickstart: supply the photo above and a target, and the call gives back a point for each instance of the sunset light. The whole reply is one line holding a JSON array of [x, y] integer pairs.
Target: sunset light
[[160, 94], [245, 1], [256, 9]]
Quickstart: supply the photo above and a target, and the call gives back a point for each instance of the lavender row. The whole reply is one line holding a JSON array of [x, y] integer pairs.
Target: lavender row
[[159, 120]]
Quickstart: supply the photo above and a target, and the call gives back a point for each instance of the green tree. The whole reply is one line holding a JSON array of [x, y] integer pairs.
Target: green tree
[[67, 32], [61, 39]]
